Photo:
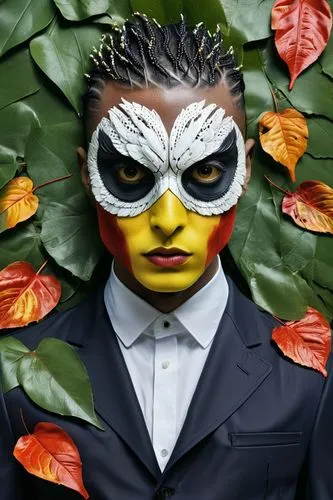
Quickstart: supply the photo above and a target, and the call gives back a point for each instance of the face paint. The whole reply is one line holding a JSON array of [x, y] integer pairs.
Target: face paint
[[168, 203]]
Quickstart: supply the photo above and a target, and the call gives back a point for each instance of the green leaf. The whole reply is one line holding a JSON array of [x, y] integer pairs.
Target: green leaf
[[13, 85], [72, 239], [198, 11], [63, 55], [320, 137], [11, 353], [76, 10], [256, 247], [54, 377], [119, 10], [326, 60], [250, 18], [312, 92], [20, 19], [258, 97], [21, 243], [164, 11]]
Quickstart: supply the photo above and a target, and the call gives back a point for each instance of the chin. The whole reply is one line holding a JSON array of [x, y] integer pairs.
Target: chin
[[169, 282]]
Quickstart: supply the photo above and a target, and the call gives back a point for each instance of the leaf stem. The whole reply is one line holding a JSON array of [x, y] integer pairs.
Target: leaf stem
[[42, 267], [275, 185], [51, 182], [23, 422]]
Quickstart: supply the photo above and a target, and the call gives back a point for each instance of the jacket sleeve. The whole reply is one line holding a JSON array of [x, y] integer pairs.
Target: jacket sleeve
[[11, 472], [318, 471]]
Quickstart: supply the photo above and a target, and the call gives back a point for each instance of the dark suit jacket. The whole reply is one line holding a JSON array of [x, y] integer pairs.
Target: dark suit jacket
[[259, 426]]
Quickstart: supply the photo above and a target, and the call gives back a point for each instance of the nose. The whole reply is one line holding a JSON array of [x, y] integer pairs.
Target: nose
[[168, 215]]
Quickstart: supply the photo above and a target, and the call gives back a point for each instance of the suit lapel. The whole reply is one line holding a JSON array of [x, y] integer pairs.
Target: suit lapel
[[114, 395], [231, 374]]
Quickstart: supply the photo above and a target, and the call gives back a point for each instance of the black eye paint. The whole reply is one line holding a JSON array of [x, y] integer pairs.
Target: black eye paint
[[110, 161], [225, 159]]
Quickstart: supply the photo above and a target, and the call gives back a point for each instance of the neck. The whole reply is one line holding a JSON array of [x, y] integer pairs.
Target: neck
[[162, 301]]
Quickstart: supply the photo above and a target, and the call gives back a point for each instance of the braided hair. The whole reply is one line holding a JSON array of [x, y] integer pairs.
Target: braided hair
[[145, 54]]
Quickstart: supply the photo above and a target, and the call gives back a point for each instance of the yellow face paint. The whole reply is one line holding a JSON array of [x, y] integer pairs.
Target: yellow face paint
[[168, 227]]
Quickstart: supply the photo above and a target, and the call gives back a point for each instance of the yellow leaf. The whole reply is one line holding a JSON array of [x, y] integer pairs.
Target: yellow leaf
[[284, 136], [17, 202]]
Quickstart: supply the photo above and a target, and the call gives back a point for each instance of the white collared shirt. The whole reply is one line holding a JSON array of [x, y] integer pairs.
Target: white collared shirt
[[165, 353]]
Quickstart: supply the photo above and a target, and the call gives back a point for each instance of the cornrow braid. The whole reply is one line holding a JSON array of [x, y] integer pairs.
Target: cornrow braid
[[143, 53]]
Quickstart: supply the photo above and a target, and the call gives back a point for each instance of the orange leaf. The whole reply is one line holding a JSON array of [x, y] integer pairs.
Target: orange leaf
[[311, 206], [302, 31], [307, 341], [17, 202], [284, 136], [26, 296], [51, 454]]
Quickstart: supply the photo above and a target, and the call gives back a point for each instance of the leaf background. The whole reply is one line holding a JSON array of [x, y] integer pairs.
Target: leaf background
[[44, 55]]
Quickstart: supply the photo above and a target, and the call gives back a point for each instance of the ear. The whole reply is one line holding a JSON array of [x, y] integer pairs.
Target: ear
[[82, 162], [249, 144]]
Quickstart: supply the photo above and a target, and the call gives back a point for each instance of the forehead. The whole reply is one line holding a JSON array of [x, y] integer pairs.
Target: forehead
[[168, 103]]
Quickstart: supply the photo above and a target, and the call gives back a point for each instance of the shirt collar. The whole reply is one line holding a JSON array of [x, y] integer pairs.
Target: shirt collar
[[131, 316]]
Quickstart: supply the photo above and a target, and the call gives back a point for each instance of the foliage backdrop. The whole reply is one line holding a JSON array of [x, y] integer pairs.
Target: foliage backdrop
[[44, 53]]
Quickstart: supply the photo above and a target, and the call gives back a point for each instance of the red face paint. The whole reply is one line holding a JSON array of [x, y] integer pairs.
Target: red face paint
[[221, 234], [112, 236]]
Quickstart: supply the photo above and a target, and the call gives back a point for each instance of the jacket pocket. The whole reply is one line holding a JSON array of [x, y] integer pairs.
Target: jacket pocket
[[256, 439]]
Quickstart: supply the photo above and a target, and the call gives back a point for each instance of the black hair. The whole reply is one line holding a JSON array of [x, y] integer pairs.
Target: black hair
[[144, 54]]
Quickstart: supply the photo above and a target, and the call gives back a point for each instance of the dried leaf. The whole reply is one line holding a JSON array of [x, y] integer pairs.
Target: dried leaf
[[307, 341], [284, 136], [17, 202], [311, 206], [302, 31], [51, 454], [25, 295]]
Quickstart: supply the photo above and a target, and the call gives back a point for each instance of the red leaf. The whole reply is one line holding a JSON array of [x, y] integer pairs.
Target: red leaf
[[51, 454], [302, 31], [311, 206], [25, 295], [307, 341]]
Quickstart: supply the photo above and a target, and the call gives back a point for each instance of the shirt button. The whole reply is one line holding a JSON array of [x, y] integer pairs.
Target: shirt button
[[165, 365], [166, 324], [164, 453]]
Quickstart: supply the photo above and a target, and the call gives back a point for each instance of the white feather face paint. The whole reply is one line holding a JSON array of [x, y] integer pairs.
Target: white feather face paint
[[138, 133]]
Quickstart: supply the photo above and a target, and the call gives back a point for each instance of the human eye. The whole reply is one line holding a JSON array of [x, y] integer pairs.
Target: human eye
[[131, 174], [207, 173]]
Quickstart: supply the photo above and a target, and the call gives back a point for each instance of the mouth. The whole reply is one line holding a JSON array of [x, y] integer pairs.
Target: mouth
[[167, 257]]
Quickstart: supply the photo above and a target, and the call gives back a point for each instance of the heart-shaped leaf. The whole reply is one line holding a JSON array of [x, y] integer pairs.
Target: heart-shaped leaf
[[306, 341], [51, 454], [25, 295], [311, 206], [302, 29], [284, 136], [17, 202], [53, 376], [61, 387]]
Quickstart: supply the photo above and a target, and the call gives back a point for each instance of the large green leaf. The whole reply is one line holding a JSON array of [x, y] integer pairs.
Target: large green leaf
[[312, 92], [16, 122], [21, 243], [76, 10], [256, 248], [320, 138], [326, 59], [20, 19], [197, 11], [251, 18], [164, 11], [13, 86], [63, 54], [71, 237], [258, 97], [11, 353], [119, 10], [53, 376]]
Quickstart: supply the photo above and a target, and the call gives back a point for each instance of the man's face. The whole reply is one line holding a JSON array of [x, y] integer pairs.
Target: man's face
[[166, 184]]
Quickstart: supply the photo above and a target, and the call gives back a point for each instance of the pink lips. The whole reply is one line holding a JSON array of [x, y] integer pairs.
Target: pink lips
[[167, 257]]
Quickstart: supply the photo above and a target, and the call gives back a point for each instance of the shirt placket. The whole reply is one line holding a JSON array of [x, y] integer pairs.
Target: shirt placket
[[165, 398]]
